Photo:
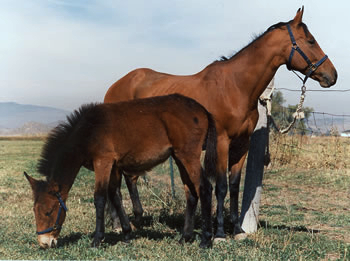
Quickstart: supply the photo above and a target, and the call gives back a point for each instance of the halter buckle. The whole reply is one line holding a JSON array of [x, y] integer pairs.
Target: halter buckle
[[312, 67], [56, 227]]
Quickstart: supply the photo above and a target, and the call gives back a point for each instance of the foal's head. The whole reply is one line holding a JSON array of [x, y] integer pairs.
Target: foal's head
[[319, 67], [48, 211]]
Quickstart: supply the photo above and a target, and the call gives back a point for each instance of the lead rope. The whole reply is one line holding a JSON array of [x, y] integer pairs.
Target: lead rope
[[297, 112]]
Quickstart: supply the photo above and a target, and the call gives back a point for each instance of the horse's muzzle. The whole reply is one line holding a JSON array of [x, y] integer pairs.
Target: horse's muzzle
[[326, 80]]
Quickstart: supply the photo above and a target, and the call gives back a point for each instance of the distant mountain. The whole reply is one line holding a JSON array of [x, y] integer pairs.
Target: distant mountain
[[18, 119]]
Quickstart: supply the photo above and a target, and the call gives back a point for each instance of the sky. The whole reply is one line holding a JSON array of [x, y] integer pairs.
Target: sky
[[62, 53]]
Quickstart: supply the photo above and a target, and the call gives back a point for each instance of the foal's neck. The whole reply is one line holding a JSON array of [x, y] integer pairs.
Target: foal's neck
[[255, 66], [66, 181]]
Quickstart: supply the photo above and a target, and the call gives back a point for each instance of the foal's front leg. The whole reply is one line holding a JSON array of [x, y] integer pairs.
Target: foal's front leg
[[102, 175]]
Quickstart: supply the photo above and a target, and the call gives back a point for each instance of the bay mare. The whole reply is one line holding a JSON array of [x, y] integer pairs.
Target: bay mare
[[112, 139], [230, 90]]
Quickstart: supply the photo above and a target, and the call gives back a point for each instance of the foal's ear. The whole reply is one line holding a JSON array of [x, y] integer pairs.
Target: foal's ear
[[33, 182], [299, 16]]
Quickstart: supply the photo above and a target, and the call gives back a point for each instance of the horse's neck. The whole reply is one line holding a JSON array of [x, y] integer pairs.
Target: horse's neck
[[255, 66]]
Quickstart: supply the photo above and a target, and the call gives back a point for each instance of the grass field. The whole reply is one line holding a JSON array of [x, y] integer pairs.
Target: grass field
[[305, 210]]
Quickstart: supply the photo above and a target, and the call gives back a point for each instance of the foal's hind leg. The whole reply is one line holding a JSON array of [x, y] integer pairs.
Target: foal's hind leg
[[102, 169], [190, 176], [131, 182]]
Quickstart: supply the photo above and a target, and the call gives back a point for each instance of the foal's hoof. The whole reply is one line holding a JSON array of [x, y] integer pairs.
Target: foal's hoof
[[137, 223], [127, 238], [186, 238], [117, 228]]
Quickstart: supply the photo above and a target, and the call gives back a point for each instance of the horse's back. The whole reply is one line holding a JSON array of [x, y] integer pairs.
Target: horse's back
[[125, 88], [144, 83]]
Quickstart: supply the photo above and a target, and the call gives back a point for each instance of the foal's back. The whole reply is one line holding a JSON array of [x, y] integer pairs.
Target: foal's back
[[142, 133]]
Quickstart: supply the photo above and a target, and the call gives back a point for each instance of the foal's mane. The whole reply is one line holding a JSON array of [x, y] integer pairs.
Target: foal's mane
[[63, 137]]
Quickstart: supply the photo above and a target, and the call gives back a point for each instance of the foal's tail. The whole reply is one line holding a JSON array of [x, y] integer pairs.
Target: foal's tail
[[211, 156]]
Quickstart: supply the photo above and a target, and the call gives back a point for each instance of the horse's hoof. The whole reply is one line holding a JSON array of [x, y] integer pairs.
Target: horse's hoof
[[241, 236], [220, 234], [218, 240], [237, 229]]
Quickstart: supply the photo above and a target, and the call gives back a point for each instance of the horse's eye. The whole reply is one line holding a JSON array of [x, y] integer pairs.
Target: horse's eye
[[312, 41]]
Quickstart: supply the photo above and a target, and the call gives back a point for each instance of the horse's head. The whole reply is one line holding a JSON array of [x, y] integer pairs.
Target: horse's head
[[49, 211], [305, 54]]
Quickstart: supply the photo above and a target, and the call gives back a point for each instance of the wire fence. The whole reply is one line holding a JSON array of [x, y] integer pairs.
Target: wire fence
[[322, 123], [321, 141]]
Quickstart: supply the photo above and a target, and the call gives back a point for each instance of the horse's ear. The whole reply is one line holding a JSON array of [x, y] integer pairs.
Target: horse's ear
[[33, 182], [299, 16]]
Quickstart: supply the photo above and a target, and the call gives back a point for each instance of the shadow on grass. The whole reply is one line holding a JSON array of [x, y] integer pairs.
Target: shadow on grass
[[265, 224], [70, 239], [148, 229]]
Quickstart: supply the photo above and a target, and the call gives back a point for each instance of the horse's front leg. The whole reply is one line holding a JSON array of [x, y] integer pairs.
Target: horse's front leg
[[221, 183], [237, 156], [102, 169]]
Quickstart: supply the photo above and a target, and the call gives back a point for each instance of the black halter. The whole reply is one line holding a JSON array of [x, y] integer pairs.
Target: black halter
[[56, 226], [311, 67]]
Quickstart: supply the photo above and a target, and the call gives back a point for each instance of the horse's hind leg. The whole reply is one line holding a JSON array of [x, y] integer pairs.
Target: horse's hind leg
[[102, 169], [131, 183], [117, 201]]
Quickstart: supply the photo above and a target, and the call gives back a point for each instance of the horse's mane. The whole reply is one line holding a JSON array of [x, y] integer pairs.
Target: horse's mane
[[65, 136], [254, 39]]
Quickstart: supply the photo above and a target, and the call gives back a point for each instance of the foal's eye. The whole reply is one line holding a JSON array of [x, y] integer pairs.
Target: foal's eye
[[48, 213]]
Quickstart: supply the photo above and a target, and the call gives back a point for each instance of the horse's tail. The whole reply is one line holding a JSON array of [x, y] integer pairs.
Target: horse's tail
[[68, 140], [211, 157]]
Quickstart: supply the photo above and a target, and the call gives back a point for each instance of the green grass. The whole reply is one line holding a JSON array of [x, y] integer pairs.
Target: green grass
[[304, 215]]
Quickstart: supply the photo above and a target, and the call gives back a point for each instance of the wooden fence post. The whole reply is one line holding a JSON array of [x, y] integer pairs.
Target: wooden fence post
[[255, 169]]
